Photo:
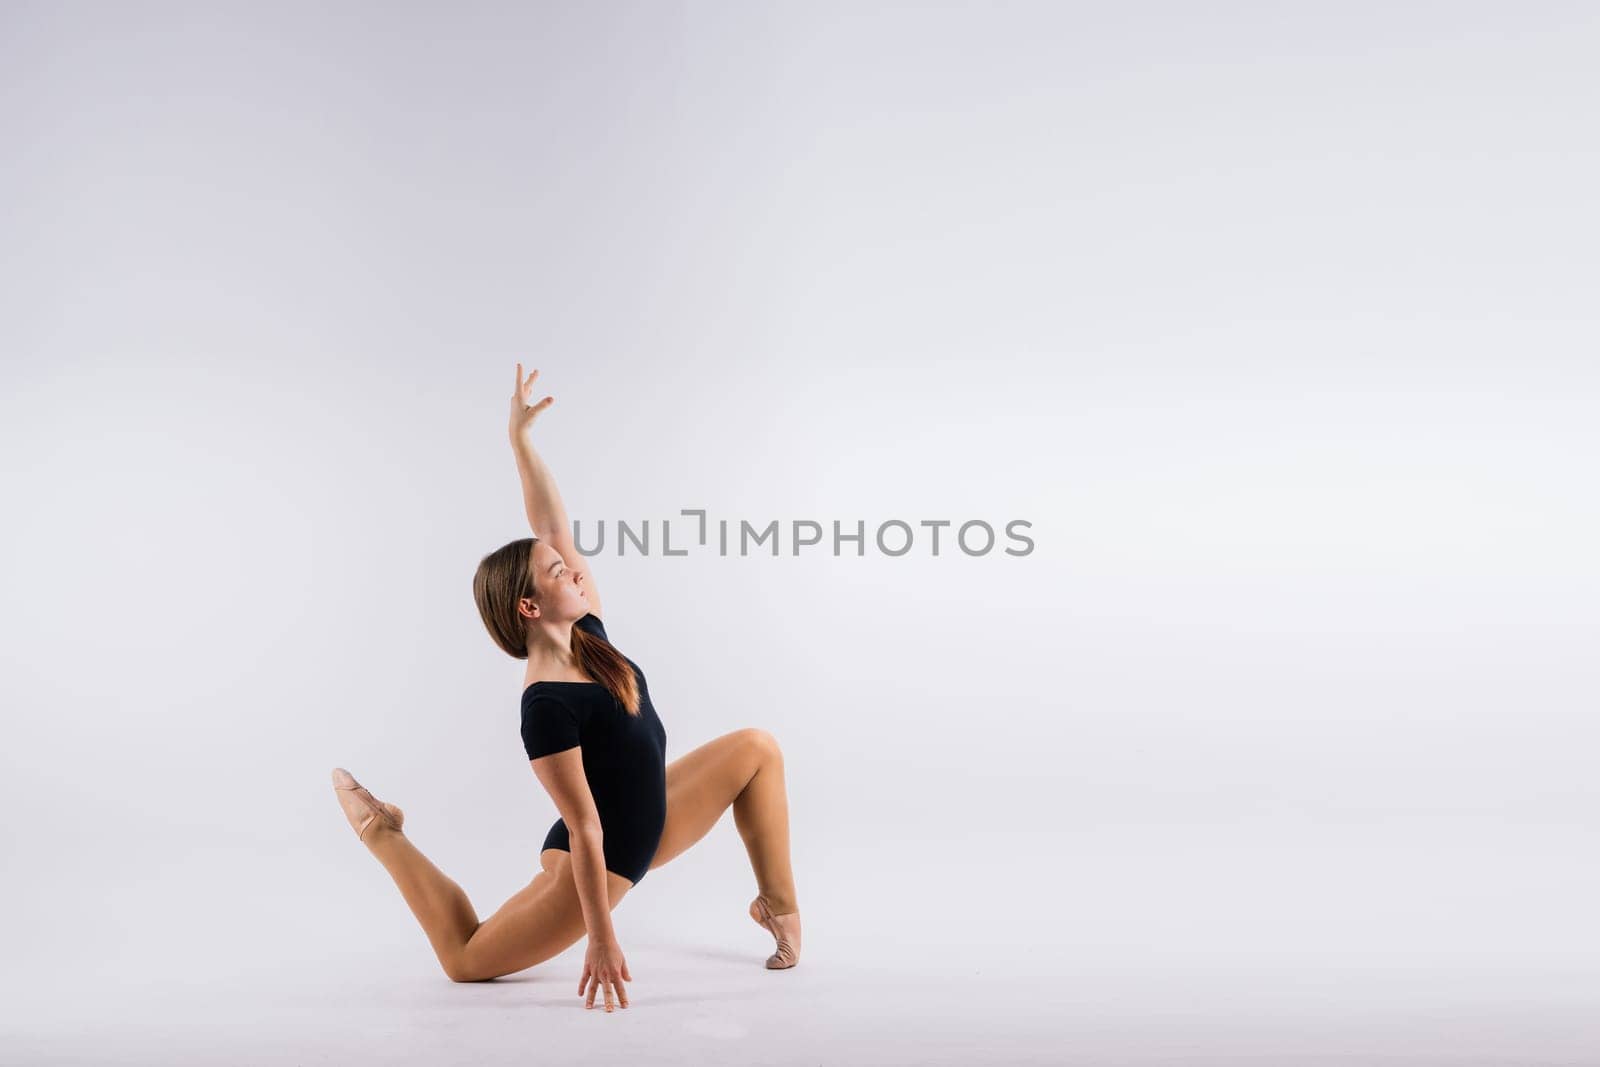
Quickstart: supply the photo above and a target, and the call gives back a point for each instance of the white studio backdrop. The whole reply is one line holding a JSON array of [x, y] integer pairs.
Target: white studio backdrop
[[1274, 324]]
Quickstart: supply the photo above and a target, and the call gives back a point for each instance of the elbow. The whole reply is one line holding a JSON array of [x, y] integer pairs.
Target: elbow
[[585, 835]]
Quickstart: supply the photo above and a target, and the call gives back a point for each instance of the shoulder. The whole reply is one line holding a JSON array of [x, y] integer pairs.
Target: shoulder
[[549, 723], [538, 698], [542, 707]]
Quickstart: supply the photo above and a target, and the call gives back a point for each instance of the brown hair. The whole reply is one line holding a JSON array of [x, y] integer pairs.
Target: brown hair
[[506, 575]]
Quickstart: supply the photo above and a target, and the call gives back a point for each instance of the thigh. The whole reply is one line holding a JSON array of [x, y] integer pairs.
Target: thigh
[[702, 784], [542, 920]]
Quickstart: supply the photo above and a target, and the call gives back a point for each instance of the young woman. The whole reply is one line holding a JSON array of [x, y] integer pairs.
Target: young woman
[[594, 741]]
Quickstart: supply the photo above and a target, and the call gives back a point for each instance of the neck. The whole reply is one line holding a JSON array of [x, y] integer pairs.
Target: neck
[[550, 649]]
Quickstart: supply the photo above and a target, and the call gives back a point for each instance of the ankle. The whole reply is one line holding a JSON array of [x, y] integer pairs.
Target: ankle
[[780, 904], [380, 833]]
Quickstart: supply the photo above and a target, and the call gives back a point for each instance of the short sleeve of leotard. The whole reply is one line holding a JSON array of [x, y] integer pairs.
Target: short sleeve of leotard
[[548, 725]]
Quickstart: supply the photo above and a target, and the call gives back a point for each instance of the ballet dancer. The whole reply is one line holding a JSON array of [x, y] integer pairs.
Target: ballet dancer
[[596, 744]]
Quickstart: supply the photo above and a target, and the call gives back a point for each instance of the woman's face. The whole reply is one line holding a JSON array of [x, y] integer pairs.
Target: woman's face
[[561, 594]]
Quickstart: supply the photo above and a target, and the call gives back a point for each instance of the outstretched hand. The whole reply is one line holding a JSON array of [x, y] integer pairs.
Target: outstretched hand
[[604, 967], [522, 411]]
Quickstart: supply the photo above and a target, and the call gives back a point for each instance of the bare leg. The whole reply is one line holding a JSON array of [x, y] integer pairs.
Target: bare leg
[[439, 904], [743, 770], [761, 815], [538, 922]]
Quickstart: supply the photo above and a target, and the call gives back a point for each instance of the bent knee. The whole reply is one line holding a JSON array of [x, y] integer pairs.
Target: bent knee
[[458, 971], [762, 741]]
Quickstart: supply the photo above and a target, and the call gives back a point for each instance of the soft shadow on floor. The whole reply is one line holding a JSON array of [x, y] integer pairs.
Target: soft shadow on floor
[[721, 955], [639, 1000]]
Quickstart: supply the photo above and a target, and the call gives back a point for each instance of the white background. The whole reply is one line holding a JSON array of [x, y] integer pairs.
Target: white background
[[1276, 322]]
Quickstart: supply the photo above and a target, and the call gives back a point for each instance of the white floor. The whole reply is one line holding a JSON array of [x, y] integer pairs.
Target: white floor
[[1196, 949]]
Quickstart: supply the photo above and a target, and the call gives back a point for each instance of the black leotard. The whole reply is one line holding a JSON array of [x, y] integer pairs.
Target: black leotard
[[624, 759]]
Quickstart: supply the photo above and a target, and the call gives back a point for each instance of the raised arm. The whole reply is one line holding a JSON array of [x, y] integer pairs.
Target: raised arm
[[547, 516]]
